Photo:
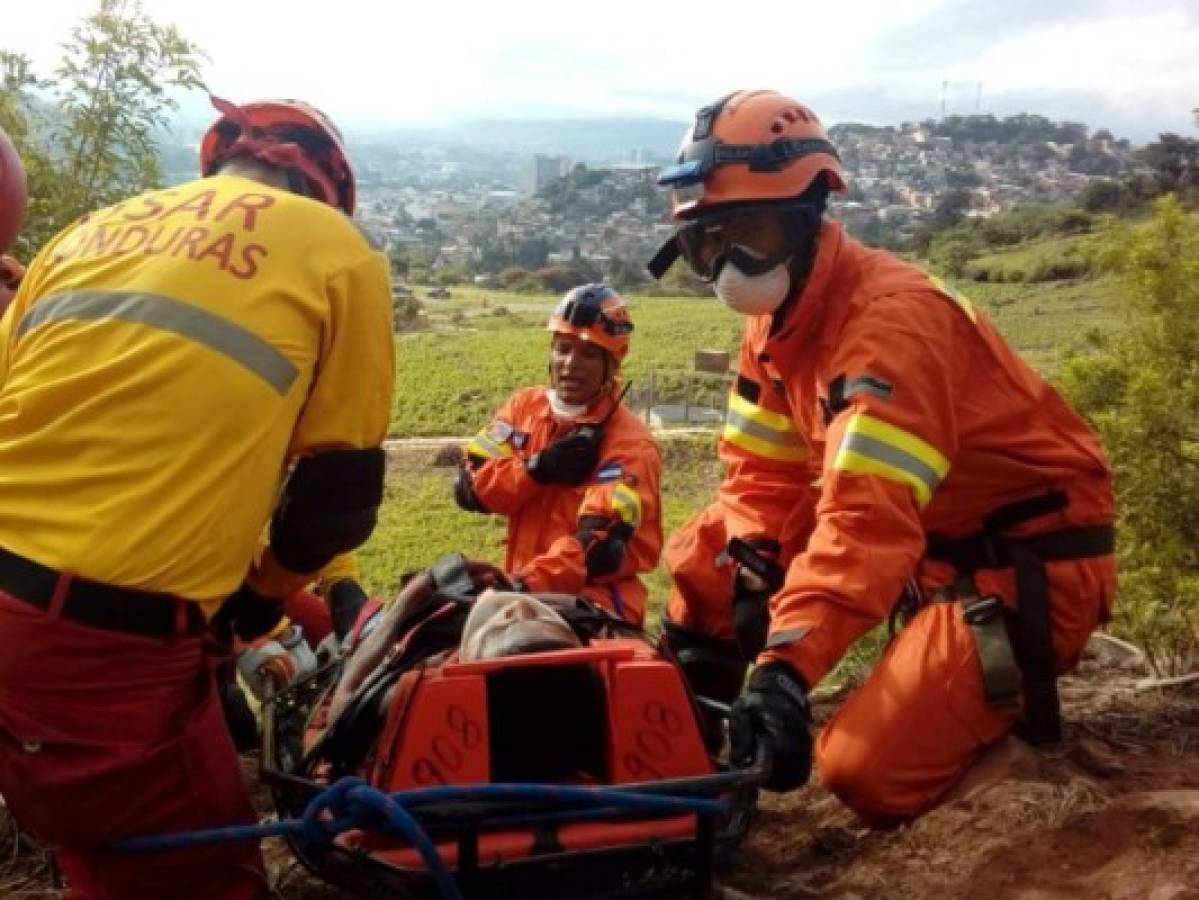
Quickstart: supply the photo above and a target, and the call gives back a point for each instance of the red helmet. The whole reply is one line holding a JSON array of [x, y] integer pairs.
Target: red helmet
[[594, 313], [749, 146], [14, 193], [291, 134]]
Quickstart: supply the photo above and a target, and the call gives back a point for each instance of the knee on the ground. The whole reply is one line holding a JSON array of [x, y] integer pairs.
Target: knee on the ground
[[861, 779]]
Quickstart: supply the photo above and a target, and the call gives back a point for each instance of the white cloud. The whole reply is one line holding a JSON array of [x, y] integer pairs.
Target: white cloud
[[433, 62]]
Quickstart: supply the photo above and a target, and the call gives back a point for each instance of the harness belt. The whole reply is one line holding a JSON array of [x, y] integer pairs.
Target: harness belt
[[1021, 642], [97, 604]]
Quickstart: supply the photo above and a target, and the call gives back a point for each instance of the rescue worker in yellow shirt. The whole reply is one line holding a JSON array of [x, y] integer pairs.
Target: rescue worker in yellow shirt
[[574, 471], [162, 364]]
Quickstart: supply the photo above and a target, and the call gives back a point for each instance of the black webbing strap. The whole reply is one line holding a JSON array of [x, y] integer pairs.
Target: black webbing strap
[[1033, 646], [987, 618], [1030, 628], [666, 256]]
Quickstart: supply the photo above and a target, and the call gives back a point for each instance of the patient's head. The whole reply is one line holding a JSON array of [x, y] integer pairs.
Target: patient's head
[[503, 623]]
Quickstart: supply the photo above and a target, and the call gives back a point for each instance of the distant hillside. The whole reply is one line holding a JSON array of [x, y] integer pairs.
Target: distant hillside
[[587, 140], [581, 139]]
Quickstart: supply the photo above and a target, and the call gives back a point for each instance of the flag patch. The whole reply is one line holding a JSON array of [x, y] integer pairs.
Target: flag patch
[[499, 430], [610, 471]]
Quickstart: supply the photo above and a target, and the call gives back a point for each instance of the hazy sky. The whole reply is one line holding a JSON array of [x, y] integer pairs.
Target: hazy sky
[[1130, 65]]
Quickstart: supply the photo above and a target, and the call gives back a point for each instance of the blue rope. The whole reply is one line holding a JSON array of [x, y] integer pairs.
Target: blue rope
[[352, 803]]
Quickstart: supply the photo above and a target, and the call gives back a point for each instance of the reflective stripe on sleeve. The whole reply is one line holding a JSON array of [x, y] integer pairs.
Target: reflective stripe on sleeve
[[762, 432], [873, 447], [231, 340], [627, 504], [483, 446]]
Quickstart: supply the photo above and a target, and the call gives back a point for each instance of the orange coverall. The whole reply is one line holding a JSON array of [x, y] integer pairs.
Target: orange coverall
[[543, 547], [881, 410]]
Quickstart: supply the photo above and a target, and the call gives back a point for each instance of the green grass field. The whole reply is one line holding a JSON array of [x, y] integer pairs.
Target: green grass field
[[450, 378], [482, 345]]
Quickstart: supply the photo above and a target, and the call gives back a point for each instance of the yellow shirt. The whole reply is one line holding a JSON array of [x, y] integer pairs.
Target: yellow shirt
[[163, 360]]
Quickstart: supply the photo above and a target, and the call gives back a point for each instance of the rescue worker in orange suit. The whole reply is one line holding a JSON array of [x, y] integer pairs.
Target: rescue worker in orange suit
[[14, 198], [881, 439], [574, 471], [163, 362]]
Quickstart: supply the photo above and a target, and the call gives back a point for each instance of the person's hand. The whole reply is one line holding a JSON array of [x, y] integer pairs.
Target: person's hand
[[271, 664], [773, 709], [757, 577], [569, 460], [248, 615]]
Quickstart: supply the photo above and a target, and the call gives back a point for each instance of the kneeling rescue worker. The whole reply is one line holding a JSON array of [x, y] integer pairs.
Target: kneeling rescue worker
[[162, 363], [574, 471], [881, 439]]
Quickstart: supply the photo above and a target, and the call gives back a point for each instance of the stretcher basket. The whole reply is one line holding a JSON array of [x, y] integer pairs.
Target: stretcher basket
[[611, 715]]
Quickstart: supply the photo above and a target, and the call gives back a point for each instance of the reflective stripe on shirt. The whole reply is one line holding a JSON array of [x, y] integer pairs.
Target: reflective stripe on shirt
[[231, 340]]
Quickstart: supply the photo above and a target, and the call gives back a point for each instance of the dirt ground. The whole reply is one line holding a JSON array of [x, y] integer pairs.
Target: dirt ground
[[1112, 812]]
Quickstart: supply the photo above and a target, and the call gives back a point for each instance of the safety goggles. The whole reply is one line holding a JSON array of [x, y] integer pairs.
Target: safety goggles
[[586, 311], [755, 238]]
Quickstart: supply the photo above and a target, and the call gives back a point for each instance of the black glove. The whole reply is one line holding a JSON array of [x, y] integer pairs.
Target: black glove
[[346, 599], [570, 459], [757, 579], [247, 614], [773, 708]]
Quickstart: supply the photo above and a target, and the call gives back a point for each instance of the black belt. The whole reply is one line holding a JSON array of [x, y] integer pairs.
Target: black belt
[[992, 551], [97, 604]]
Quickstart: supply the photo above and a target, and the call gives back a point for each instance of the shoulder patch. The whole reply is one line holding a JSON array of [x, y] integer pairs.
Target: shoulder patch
[[499, 430], [609, 471], [869, 384]]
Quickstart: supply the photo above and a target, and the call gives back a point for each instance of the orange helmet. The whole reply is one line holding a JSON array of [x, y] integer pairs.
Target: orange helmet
[[290, 134], [594, 313], [14, 194], [746, 147]]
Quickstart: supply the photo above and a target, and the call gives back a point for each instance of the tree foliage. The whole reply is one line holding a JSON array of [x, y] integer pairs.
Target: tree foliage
[[21, 119], [90, 136], [1175, 163], [1141, 392]]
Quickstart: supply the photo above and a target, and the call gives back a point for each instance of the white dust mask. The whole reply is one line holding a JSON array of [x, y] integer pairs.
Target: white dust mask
[[753, 295]]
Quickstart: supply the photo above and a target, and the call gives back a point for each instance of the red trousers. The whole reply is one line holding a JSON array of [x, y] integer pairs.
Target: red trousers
[[106, 735]]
